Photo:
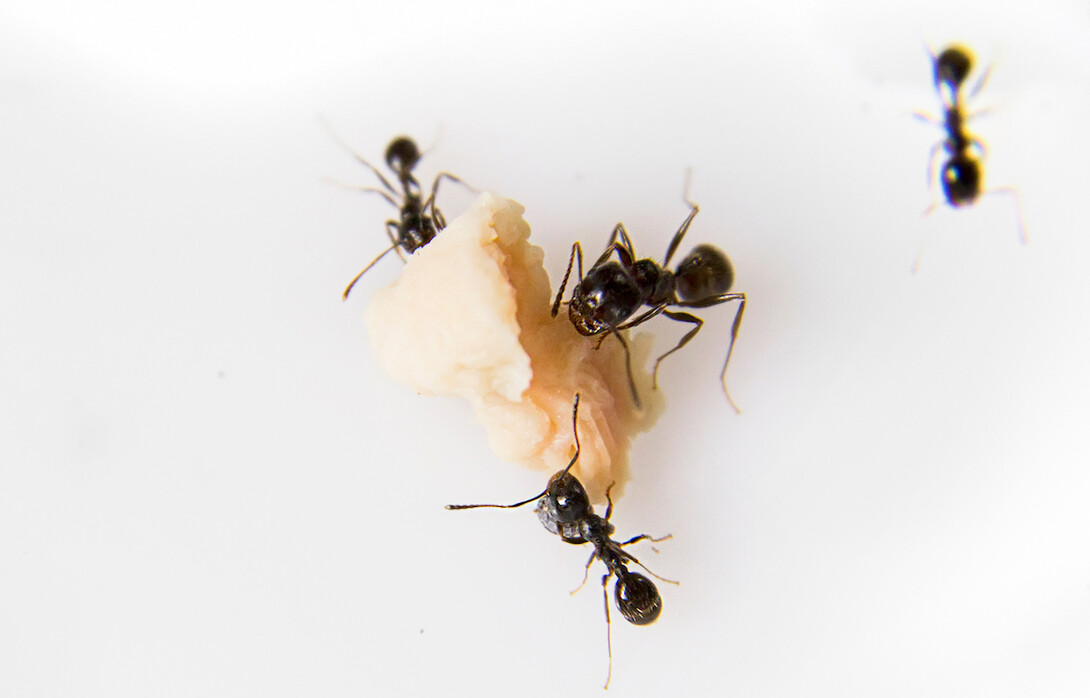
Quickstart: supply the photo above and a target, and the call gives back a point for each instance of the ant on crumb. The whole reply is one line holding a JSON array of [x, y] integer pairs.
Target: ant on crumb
[[606, 299], [564, 509], [962, 174], [420, 219]]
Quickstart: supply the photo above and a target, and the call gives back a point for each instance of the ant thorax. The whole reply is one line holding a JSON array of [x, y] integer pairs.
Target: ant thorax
[[656, 283]]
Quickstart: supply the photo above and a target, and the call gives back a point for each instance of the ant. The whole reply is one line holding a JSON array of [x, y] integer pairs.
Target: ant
[[420, 220], [961, 174], [565, 510], [606, 299]]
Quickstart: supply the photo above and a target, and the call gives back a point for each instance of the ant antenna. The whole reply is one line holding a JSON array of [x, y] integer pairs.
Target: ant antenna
[[359, 158], [575, 430]]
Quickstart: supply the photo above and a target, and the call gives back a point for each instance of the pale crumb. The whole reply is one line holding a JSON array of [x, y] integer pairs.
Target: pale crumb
[[470, 316]]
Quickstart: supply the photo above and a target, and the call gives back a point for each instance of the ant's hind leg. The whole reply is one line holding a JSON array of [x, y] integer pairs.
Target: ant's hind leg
[[1014, 194], [576, 253], [737, 325]]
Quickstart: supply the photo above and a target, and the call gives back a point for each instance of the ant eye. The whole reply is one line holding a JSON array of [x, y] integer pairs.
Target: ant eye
[[637, 599], [402, 155]]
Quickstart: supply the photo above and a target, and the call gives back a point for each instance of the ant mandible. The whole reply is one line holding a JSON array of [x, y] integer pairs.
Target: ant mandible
[[565, 510], [962, 174], [420, 219], [606, 299]]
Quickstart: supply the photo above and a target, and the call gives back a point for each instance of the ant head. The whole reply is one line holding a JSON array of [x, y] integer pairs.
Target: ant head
[[605, 298], [402, 155], [952, 66], [706, 272], [637, 598], [961, 180], [565, 499]]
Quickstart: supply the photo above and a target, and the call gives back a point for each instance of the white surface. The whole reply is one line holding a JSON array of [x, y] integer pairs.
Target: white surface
[[207, 487]]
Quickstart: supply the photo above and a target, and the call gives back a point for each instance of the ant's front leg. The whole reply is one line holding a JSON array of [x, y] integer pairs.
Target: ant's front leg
[[628, 368], [624, 249], [576, 253], [680, 234], [436, 215], [644, 536]]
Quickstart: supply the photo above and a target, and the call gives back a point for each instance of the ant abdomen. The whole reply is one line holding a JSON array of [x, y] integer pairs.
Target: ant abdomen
[[637, 598], [704, 273], [961, 180]]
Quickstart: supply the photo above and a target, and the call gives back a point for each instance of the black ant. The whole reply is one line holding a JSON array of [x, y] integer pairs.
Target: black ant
[[564, 509], [606, 299], [420, 219], [962, 173]]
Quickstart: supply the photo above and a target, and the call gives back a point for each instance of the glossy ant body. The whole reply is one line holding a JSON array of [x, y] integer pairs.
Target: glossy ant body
[[613, 291], [565, 510], [420, 220], [962, 174]]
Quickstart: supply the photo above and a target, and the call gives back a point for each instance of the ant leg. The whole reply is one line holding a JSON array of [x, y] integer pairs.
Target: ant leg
[[644, 536], [353, 187], [576, 252], [642, 317], [575, 431], [622, 248], [628, 368], [1011, 191], [982, 149], [435, 214], [609, 501], [927, 118], [391, 228], [586, 574], [632, 558], [716, 300], [932, 173], [609, 633], [680, 233], [980, 82], [374, 261], [680, 317]]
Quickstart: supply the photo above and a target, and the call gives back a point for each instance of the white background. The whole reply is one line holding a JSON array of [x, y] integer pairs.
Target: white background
[[207, 487]]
